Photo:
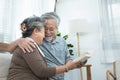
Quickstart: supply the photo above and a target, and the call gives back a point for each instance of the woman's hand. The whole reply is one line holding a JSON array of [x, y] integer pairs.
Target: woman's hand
[[81, 64], [72, 65]]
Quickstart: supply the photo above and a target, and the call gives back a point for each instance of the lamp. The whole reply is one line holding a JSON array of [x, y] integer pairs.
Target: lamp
[[79, 27]]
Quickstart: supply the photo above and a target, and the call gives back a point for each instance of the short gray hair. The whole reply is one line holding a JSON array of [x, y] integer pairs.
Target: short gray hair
[[51, 15]]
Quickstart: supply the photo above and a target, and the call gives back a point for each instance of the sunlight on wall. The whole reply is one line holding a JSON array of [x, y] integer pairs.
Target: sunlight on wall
[[116, 10]]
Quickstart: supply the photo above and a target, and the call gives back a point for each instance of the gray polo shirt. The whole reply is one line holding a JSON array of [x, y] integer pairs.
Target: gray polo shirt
[[56, 53]]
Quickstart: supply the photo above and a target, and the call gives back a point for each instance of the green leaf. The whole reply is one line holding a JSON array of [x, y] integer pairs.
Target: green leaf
[[70, 45], [58, 33], [71, 52], [65, 37]]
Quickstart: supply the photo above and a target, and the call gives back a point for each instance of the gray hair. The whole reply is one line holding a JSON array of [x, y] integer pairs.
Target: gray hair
[[51, 15], [31, 23], [36, 24]]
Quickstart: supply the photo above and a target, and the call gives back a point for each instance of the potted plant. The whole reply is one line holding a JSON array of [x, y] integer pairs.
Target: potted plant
[[69, 45]]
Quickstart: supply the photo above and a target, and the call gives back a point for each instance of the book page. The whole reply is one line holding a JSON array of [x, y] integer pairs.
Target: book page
[[83, 57]]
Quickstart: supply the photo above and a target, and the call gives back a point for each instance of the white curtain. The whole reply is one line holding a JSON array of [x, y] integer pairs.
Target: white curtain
[[110, 29], [13, 12]]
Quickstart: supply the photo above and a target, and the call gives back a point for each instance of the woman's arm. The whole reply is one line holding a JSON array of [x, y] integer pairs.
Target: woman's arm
[[38, 66]]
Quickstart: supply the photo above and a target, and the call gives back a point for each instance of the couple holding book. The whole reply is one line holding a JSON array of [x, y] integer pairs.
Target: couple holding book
[[40, 54]]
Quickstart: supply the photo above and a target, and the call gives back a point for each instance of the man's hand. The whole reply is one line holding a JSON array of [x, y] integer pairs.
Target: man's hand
[[25, 44]]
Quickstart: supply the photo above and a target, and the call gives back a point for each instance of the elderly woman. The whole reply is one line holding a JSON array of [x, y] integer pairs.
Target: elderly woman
[[33, 66]]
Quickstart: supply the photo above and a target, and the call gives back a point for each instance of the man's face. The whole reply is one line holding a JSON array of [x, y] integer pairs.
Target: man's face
[[50, 29]]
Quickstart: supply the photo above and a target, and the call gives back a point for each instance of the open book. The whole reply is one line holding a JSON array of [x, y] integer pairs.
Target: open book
[[83, 57]]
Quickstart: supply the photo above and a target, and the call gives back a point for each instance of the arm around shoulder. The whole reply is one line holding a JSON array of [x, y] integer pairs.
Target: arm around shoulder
[[4, 47], [8, 47]]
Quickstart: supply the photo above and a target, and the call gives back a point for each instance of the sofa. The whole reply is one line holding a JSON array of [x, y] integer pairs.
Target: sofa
[[5, 59]]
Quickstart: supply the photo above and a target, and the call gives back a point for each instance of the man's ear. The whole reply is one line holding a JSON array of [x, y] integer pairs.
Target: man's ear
[[23, 27]]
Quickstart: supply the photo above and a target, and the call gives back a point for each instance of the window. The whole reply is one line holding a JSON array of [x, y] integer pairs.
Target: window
[[110, 26]]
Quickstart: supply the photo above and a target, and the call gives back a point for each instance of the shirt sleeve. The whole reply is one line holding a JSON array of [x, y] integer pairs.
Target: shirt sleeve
[[38, 65], [68, 56]]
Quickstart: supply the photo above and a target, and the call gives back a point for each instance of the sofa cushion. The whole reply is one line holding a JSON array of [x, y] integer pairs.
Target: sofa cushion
[[5, 59], [4, 78]]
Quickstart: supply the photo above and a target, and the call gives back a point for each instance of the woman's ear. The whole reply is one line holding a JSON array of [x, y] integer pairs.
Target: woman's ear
[[35, 31], [23, 27]]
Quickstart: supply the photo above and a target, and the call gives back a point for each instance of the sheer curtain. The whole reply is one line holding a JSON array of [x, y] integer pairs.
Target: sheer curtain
[[12, 12], [110, 29]]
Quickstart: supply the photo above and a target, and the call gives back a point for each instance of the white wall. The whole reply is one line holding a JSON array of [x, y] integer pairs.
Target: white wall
[[84, 10]]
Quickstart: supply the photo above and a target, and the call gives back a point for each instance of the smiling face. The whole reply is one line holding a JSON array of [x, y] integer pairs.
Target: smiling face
[[41, 35], [50, 29], [38, 35]]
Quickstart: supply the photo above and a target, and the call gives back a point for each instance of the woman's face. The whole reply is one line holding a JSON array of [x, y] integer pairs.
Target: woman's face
[[40, 35]]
